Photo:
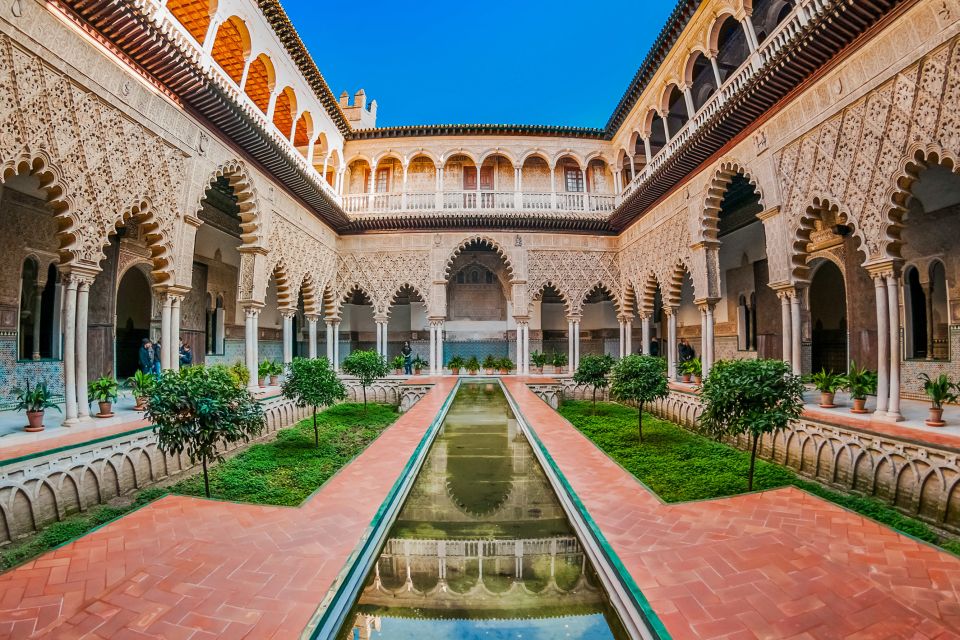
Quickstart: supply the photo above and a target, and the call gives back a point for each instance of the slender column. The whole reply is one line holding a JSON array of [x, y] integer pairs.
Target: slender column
[[287, 315], [329, 324], [526, 348], [570, 338], [83, 305], [175, 332], [70, 350], [439, 201], [519, 347], [716, 71], [751, 34], [928, 294], [629, 331], [433, 348], [883, 342], [633, 169], [796, 357], [703, 336], [403, 196], [785, 323], [166, 312], [553, 187], [518, 188], [576, 344], [251, 320], [666, 127], [646, 150], [37, 311], [671, 342], [711, 342], [336, 346], [688, 100], [622, 339], [893, 304], [312, 336], [439, 347], [645, 334]]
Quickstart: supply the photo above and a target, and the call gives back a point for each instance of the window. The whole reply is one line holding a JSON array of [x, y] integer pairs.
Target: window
[[39, 324], [574, 179], [383, 181]]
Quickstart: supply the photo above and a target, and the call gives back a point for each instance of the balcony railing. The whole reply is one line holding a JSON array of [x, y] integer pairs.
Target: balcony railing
[[479, 201], [786, 32]]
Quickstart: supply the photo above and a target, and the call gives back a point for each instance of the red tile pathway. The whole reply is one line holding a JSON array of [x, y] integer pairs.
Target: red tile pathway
[[190, 568], [777, 564]]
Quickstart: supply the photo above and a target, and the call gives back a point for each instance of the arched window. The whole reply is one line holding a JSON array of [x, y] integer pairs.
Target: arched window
[[732, 47], [231, 47], [926, 327], [39, 312]]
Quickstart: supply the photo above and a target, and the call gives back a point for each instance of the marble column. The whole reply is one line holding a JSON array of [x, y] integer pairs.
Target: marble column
[[623, 339], [433, 348], [526, 348], [250, 346], [628, 349], [928, 295], [883, 342], [671, 313], [312, 336], [570, 339], [175, 332], [83, 308], [711, 342], [439, 347], [786, 325], [330, 344], [70, 349], [37, 312], [519, 362], [796, 351], [893, 304], [645, 334], [336, 346], [287, 316], [166, 312], [576, 345], [704, 361]]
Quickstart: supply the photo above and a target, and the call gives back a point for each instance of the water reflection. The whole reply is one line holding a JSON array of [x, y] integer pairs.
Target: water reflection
[[482, 548]]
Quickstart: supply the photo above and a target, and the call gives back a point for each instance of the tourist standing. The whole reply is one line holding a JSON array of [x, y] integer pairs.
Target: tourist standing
[[685, 351], [156, 357], [407, 354], [186, 354], [146, 356]]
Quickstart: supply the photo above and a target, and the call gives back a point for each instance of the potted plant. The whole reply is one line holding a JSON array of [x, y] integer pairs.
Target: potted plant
[[140, 384], [263, 372], [276, 370], [696, 370], [559, 361], [939, 390], [827, 383], [34, 402], [473, 365], [398, 362], [104, 391], [505, 364], [860, 382], [538, 359], [490, 363], [548, 366], [456, 363], [418, 364]]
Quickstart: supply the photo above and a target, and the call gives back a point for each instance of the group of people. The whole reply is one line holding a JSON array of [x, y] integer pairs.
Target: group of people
[[685, 351], [150, 355]]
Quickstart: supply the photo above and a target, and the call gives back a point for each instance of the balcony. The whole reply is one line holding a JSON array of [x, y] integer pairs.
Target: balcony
[[511, 203]]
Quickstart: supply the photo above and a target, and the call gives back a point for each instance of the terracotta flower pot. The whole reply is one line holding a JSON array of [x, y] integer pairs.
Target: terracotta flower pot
[[685, 377], [141, 404], [549, 368], [503, 372], [416, 372], [455, 371], [697, 380], [473, 372], [34, 421], [105, 409], [858, 405], [398, 372], [826, 399], [274, 380], [935, 419], [538, 369]]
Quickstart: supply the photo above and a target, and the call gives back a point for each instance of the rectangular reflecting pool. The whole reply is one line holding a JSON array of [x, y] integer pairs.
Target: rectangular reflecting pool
[[482, 547]]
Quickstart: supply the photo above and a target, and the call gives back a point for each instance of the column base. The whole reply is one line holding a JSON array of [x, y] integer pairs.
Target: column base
[[893, 416], [70, 422]]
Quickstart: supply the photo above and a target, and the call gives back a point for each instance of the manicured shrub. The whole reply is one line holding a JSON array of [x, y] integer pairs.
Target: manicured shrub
[[313, 383], [593, 371], [639, 379], [365, 365], [751, 397]]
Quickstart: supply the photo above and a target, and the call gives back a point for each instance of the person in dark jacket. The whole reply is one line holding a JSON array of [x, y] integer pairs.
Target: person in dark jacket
[[186, 355], [685, 351], [407, 354], [156, 357], [146, 356]]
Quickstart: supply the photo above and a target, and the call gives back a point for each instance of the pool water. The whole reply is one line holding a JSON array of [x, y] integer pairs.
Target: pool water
[[482, 547]]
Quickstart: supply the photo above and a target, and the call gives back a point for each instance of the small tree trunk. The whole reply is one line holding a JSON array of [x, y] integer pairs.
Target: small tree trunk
[[316, 433], [364, 387], [640, 421], [594, 401], [206, 476], [753, 460]]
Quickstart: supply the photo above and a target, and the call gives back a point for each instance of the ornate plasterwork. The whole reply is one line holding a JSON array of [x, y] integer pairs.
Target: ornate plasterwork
[[574, 274], [857, 159], [381, 274], [97, 166], [662, 257], [298, 261]]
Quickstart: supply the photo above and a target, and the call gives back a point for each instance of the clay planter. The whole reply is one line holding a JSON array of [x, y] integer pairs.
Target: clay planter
[[455, 371], [34, 421], [935, 419], [549, 368], [538, 369], [826, 400], [697, 380], [141, 404], [503, 372], [858, 405], [105, 410], [264, 382], [473, 372], [398, 372], [274, 380], [416, 372], [685, 378]]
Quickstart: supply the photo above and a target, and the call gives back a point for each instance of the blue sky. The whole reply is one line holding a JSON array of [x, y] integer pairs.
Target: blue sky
[[519, 62]]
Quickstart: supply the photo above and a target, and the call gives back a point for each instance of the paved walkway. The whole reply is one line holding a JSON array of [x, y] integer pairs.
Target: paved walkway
[[777, 564], [190, 568]]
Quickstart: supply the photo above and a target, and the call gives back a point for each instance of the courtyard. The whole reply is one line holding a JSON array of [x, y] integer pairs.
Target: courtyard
[[280, 361]]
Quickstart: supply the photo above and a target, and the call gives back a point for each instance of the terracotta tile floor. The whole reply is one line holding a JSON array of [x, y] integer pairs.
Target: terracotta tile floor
[[190, 568], [778, 564]]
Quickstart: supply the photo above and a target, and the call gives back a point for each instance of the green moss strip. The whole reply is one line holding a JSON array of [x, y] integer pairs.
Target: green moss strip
[[679, 465], [284, 472]]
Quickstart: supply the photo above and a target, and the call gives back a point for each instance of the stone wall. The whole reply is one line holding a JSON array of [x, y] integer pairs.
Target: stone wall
[[48, 487]]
